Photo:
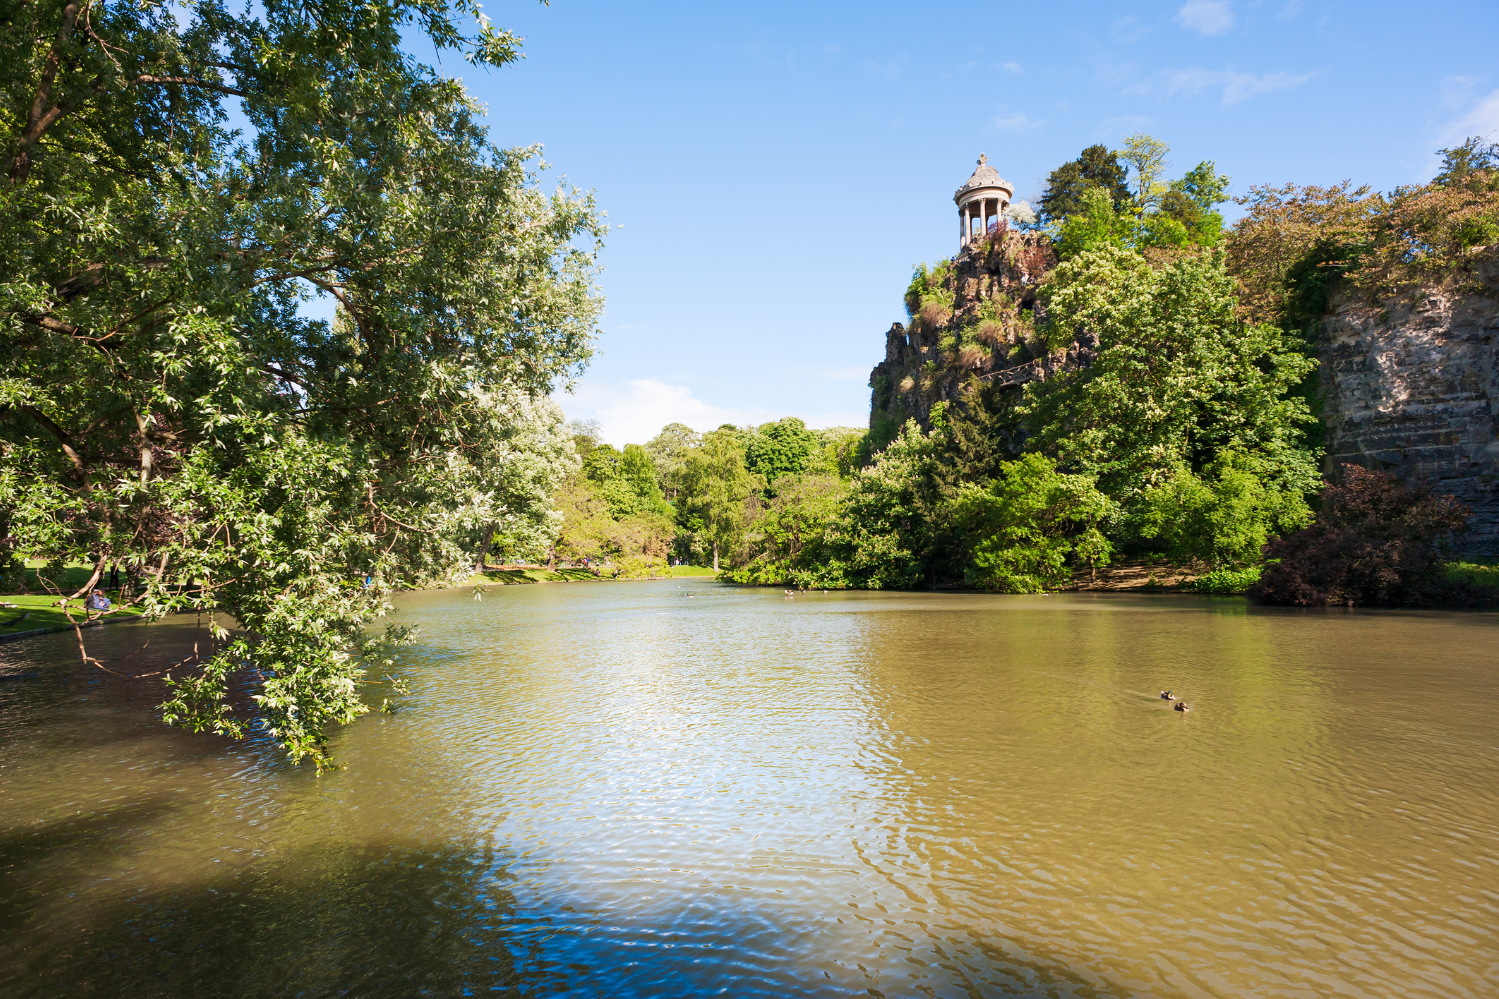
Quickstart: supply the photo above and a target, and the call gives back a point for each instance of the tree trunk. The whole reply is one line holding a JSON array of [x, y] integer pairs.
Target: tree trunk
[[482, 558], [715, 556], [551, 557]]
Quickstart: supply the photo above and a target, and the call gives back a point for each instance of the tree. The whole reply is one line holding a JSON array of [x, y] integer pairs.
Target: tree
[[784, 447], [1177, 379], [630, 486], [1374, 541], [1472, 164], [1190, 201], [1025, 525], [1096, 167], [1146, 155], [841, 448], [1297, 244], [166, 404], [515, 468], [1224, 517], [789, 541], [716, 487], [1180, 218], [669, 450], [1096, 222], [885, 536]]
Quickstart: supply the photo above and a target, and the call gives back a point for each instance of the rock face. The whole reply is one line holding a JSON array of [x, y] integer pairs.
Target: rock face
[[1411, 386], [981, 333]]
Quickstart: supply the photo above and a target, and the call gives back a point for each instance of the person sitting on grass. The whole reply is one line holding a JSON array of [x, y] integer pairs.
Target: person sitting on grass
[[97, 601]]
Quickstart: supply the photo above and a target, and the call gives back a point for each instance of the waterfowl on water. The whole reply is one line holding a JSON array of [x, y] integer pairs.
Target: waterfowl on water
[[1167, 695], [1182, 706]]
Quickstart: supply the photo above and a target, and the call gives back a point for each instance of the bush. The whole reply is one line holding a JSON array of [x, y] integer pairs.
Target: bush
[[1224, 517], [1475, 575], [1375, 542], [1226, 580]]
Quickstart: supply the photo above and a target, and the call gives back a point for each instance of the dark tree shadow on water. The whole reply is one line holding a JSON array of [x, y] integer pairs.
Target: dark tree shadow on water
[[374, 920], [345, 920]]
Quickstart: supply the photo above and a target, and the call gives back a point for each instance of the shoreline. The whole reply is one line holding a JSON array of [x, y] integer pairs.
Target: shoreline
[[521, 575], [55, 629]]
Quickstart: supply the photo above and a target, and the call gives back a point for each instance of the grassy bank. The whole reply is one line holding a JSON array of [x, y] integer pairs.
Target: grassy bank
[[538, 574], [36, 612]]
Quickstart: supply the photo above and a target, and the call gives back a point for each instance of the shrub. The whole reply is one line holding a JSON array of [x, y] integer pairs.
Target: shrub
[[990, 331], [1226, 580], [934, 313], [972, 357], [1375, 542]]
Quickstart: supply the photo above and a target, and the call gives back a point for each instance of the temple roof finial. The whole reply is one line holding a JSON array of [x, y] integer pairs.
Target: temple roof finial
[[983, 158]]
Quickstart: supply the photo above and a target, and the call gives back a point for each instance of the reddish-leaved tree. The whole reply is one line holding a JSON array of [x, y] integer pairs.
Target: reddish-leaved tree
[[1375, 542]]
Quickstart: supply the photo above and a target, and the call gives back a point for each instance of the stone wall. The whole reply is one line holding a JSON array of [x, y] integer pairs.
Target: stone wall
[[1411, 385]]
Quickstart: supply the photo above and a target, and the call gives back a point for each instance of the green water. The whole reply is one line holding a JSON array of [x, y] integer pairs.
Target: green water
[[621, 790]]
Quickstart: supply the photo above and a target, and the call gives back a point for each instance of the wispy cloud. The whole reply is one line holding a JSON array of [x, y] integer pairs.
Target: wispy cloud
[[1207, 17], [1127, 31], [1290, 10], [1457, 91], [1122, 125], [1015, 122], [1478, 116], [633, 412], [890, 69], [1481, 119], [1236, 86], [1012, 67]]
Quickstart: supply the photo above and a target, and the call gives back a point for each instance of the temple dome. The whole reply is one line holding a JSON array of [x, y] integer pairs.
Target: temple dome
[[985, 177]]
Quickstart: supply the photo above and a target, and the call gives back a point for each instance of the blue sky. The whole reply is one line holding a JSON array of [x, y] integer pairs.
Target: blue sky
[[777, 168]]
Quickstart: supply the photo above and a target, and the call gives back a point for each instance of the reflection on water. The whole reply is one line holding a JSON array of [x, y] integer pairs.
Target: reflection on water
[[617, 790]]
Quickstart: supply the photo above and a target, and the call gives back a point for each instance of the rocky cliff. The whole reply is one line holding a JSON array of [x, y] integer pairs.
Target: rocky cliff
[[1411, 385], [972, 324]]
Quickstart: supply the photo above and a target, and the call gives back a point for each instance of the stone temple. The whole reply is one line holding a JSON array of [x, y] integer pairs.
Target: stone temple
[[981, 202]]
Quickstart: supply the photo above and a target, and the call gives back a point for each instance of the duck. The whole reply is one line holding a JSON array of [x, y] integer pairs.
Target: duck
[[1182, 706], [1167, 695]]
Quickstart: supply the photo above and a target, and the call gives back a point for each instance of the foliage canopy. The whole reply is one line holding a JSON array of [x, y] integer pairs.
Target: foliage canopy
[[166, 404]]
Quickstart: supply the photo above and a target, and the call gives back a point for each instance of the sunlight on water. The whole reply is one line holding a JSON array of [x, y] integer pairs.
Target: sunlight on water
[[620, 790]]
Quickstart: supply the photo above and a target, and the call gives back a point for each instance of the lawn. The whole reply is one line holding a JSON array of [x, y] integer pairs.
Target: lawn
[[38, 609], [35, 611]]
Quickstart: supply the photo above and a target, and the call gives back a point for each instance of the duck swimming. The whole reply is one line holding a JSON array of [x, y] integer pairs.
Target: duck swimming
[[1167, 695], [1182, 706]]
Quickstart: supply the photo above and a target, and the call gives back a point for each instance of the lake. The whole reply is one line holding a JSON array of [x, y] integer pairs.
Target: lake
[[679, 788]]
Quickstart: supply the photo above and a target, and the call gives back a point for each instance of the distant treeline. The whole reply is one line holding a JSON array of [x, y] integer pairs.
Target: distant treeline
[[689, 496]]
